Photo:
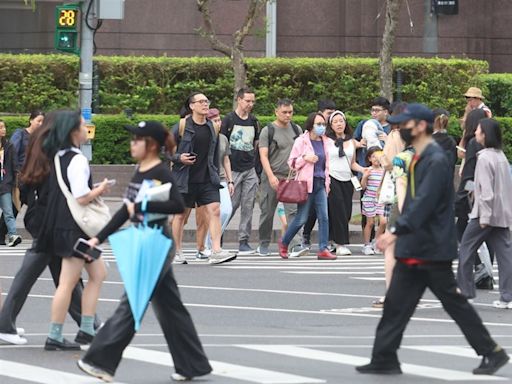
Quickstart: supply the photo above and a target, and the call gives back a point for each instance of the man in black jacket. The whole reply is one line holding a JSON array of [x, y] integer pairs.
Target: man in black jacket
[[426, 244]]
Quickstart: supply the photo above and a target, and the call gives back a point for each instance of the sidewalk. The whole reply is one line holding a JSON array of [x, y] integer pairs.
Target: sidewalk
[[231, 233]]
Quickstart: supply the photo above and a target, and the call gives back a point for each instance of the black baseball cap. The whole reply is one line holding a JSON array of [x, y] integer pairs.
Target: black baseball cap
[[413, 111], [153, 129]]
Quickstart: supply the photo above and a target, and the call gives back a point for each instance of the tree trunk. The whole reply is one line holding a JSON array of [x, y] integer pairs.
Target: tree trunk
[[238, 63], [386, 52]]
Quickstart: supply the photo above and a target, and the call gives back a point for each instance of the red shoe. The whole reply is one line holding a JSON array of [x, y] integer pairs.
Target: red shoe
[[283, 250], [325, 255]]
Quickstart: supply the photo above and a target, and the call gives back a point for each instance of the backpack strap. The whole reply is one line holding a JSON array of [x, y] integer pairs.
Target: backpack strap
[[296, 129]]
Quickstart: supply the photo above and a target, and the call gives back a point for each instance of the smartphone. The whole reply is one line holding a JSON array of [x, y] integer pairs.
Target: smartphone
[[82, 248], [110, 183], [193, 154], [460, 148], [356, 183]]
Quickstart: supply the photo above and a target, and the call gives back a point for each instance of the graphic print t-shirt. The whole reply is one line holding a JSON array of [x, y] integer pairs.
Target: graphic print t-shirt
[[241, 141]]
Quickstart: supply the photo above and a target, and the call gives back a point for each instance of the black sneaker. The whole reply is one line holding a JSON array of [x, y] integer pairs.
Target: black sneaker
[[379, 369], [492, 362], [64, 345], [83, 338]]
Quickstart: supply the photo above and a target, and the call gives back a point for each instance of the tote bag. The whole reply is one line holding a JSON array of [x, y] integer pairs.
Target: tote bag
[[91, 218], [292, 191]]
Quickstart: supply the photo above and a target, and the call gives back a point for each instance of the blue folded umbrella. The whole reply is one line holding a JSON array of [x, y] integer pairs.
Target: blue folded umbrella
[[140, 252]]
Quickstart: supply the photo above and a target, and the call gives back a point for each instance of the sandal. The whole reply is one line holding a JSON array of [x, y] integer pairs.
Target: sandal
[[378, 303]]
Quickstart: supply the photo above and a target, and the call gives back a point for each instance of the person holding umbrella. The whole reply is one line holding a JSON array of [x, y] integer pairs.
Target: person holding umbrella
[[105, 352]]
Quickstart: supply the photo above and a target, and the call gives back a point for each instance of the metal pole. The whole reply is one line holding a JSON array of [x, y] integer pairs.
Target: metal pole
[[271, 42], [85, 77]]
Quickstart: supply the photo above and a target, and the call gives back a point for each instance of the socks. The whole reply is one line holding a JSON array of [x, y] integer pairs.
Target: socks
[[56, 332], [87, 325]]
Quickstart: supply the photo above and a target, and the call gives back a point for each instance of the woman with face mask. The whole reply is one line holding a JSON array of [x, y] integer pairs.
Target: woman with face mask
[[310, 159]]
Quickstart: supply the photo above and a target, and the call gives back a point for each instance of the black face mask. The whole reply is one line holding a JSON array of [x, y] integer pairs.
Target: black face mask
[[406, 135]]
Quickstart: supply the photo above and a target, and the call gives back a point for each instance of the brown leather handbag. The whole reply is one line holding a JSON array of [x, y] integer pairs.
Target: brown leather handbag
[[292, 190]]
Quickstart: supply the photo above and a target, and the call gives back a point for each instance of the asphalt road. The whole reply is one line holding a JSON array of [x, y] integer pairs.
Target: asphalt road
[[264, 320]]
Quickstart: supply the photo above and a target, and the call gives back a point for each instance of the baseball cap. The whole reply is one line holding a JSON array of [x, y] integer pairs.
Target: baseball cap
[[413, 111], [153, 129]]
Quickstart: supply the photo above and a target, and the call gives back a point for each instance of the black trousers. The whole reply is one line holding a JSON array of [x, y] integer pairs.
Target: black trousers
[[32, 267], [187, 352], [406, 289], [340, 210]]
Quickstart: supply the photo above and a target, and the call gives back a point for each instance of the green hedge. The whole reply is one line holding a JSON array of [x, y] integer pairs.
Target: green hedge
[[111, 145], [159, 85], [499, 93]]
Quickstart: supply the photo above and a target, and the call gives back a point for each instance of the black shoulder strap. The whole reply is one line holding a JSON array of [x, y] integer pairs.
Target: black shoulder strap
[[271, 131], [296, 129], [230, 122]]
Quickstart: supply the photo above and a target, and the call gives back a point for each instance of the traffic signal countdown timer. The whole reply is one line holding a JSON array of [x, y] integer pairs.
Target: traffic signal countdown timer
[[66, 28]]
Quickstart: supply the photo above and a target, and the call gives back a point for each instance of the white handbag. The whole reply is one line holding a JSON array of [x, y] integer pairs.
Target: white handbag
[[387, 190], [91, 218]]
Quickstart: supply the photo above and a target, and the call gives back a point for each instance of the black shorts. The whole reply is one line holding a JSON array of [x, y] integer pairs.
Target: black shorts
[[201, 194]]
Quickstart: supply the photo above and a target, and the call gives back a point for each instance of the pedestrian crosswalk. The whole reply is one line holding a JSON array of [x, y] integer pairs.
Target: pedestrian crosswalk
[[253, 371]]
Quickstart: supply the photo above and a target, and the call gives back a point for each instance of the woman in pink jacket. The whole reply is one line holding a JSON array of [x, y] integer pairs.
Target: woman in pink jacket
[[310, 158]]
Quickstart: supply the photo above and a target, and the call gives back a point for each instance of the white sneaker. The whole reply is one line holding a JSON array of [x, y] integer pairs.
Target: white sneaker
[[502, 304], [95, 371], [12, 338], [298, 251], [20, 331], [177, 377], [368, 250], [179, 259], [341, 250], [221, 257]]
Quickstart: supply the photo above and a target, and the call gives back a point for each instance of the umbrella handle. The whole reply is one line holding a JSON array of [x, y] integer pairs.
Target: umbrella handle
[[143, 208]]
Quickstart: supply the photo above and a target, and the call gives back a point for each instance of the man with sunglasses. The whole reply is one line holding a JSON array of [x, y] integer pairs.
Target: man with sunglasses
[[426, 245]]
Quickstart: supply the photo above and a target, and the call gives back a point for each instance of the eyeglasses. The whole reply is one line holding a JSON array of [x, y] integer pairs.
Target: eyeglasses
[[202, 101], [376, 110]]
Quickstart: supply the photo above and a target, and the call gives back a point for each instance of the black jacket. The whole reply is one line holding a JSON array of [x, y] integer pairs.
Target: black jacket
[[462, 203], [185, 144], [8, 168], [426, 227], [448, 144]]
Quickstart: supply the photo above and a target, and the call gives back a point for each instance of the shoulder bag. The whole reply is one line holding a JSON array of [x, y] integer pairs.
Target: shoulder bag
[[292, 190], [91, 218]]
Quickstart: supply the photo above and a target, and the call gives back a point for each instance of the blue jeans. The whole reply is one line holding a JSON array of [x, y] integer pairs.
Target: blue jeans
[[318, 200], [6, 207]]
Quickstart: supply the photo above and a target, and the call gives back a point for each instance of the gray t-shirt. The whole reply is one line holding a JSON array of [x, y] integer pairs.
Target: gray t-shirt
[[223, 151], [279, 149]]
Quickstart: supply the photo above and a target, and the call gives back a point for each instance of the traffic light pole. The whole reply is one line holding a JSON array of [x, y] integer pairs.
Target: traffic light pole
[[86, 68]]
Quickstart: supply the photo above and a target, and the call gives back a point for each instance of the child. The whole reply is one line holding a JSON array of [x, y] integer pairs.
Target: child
[[372, 178], [282, 217], [105, 352]]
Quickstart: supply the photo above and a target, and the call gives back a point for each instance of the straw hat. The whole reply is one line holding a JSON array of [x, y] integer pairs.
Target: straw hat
[[474, 92]]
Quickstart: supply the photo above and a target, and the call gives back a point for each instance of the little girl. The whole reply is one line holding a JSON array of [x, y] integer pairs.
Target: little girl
[[372, 178]]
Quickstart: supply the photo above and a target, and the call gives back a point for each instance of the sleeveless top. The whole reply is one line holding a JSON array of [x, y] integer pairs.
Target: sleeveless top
[[339, 166]]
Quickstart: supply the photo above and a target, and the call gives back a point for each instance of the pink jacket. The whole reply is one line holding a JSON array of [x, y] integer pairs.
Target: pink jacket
[[305, 170]]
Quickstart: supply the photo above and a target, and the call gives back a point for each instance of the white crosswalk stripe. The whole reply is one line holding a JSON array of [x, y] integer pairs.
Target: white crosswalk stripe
[[302, 355], [340, 358]]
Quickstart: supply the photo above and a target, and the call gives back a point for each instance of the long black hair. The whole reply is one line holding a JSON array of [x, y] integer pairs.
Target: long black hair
[[471, 123], [63, 123]]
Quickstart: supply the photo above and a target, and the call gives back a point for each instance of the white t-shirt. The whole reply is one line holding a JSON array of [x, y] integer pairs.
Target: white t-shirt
[[339, 167], [78, 173]]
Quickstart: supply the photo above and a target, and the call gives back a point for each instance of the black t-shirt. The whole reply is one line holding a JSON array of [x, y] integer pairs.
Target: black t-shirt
[[242, 136], [202, 140], [160, 173]]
